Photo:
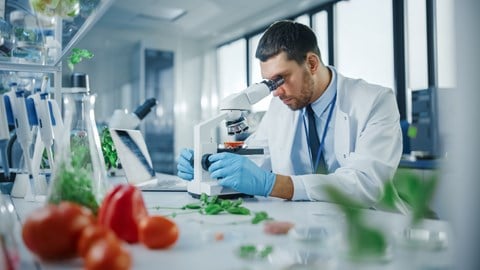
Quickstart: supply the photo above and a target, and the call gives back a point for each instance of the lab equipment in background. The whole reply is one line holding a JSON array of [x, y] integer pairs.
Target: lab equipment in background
[[231, 109], [5, 39], [121, 119], [4, 137], [23, 129], [40, 107], [423, 131], [27, 38], [79, 164]]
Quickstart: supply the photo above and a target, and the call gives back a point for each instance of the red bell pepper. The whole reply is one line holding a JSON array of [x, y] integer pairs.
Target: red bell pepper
[[121, 210]]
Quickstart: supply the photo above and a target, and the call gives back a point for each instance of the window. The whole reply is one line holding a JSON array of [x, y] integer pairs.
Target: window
[[365, 40], [303, 19], [232, 67], [255, 73], [445, 44], [416, 50], [320, 27]]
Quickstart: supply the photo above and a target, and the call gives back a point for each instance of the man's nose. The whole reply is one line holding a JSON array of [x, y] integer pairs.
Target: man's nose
[[279, 91]]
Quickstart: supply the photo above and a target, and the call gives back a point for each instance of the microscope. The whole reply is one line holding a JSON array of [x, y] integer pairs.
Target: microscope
[[231, 110]]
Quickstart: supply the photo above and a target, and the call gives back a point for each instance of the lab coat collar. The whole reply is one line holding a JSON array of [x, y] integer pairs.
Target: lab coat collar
[[320, 105]]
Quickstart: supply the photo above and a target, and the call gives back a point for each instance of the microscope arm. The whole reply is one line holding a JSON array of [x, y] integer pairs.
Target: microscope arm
[[245, 99], [204, 142]]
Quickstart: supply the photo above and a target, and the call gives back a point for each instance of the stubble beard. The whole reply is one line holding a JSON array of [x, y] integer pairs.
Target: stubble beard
[[305, 96]]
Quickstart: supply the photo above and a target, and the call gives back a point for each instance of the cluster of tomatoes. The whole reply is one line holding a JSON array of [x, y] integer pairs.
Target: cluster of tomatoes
[[67, 230]]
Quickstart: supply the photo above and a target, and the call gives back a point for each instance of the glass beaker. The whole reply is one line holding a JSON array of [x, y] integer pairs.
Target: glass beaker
[[9, 255], [80, 174], [27, 39]]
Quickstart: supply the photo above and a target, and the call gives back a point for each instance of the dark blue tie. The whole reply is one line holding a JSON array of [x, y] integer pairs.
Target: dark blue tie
[[313, 141]]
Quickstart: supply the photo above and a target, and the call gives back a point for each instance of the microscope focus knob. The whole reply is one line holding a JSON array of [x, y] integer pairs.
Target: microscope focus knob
[[205, 162]]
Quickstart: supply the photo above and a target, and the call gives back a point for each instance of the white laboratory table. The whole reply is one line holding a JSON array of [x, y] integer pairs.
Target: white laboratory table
[[197, 247]]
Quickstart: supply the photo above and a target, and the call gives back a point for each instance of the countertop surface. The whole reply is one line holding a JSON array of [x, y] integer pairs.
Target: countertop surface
[[317, 240]]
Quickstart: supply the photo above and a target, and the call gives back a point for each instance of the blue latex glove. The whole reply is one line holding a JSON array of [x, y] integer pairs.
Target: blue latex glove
[[240, 173], [184, 164]]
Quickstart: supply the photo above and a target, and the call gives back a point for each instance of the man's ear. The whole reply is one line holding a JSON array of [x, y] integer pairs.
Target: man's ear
[[312, 62]]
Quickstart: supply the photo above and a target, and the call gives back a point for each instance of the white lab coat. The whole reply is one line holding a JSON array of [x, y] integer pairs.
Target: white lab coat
[[367, 141]]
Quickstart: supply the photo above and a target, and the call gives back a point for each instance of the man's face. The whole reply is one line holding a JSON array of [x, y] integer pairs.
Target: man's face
[[297, 90]]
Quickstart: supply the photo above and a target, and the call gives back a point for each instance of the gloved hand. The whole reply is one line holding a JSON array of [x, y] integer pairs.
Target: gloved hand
[[240, 173], [184, 164]]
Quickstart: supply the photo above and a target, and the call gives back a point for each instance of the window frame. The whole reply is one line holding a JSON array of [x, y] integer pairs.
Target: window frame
[[399, 45]]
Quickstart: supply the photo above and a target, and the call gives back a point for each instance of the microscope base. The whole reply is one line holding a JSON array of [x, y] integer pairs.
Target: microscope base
[[212, 188], [226, 196]]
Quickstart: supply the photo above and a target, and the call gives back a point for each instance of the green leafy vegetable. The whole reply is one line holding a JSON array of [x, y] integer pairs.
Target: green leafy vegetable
[[72, 181], [74, 186], [108, 149], [192, 206], [238, 210], [214, 205], [77, 56], [252, 252], [364, 241], [213, 209], [416, 192]]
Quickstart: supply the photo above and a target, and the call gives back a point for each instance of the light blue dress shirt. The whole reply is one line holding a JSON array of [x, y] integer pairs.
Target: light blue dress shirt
[[301, 160]]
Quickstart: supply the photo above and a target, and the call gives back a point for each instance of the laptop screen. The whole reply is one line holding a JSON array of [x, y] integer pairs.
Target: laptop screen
[[133, 154]]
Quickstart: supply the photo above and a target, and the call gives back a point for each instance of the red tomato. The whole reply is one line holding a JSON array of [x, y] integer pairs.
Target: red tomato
[[157, 232], [92, 234], [121, 210], [107, 255], [52, 231]]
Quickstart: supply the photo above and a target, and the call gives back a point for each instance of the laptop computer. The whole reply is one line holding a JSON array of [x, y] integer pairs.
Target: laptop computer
[[137, 164]]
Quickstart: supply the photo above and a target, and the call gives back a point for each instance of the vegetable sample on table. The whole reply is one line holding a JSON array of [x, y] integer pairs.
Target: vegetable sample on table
[[121, 210], [157, 232], [52, 232], [214, 205]]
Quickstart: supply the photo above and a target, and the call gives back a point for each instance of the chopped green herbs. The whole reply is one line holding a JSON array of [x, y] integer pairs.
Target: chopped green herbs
[[72, 181], [192, 206], [259, 217], [214, 205], [252, 252], [74, 186], [108, 149]]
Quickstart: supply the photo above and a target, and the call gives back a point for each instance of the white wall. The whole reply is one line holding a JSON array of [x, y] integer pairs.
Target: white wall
[[111, 73]]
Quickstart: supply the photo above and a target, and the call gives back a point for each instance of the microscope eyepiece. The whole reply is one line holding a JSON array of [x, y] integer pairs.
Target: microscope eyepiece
[[274, 83]]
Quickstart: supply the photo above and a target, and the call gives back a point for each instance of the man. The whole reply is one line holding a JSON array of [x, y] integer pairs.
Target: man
[[321, 128]]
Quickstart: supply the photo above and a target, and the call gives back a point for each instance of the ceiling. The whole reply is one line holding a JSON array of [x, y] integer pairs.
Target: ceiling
[[202, 19]]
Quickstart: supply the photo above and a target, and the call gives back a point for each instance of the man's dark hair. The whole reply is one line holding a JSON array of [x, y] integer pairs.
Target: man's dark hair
[[294, 38]]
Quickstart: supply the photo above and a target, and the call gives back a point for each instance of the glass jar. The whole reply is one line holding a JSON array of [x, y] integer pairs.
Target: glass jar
[[80, 174], [9, 255], [27, 39], [66, 9], [5, 39]]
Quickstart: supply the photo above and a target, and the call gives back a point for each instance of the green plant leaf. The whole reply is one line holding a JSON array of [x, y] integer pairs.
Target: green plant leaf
[[260, 216], [365, 241], [77, 56], [108, 149], [415, 192]]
